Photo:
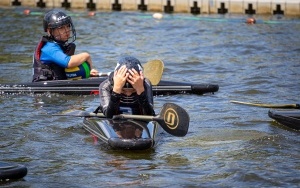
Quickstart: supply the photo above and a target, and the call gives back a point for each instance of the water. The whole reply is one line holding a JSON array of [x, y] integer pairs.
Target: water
[[228, 145]]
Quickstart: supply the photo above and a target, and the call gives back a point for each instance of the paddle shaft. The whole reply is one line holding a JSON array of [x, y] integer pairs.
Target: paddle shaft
[[296, 106], [153, 71], [172, 118]]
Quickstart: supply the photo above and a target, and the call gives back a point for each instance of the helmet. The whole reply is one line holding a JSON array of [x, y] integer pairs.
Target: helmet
[[131, 63], [56, 19]]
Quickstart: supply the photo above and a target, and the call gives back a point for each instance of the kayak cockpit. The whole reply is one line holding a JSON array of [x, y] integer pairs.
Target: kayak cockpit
[[124, 134]]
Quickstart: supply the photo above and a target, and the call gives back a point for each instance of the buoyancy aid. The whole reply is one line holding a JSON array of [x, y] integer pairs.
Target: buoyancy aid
[[52, 71]]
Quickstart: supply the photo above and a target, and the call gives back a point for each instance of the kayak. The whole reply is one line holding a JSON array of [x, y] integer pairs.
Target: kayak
[[135, 132], [91, 87], [289, 118], [10, 171], [124, 134]]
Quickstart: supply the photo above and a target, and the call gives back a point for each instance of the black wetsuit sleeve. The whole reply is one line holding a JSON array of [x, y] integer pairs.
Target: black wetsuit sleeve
[[109, 100]]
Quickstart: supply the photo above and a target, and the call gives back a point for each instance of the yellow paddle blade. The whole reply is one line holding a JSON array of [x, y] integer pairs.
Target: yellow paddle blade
[[153, 70]]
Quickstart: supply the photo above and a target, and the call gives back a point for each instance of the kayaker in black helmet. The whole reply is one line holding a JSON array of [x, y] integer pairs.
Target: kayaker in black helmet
[[126, 91], [55, 51]]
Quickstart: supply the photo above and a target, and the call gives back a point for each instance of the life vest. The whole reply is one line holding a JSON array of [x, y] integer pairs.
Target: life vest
[[52, 71]]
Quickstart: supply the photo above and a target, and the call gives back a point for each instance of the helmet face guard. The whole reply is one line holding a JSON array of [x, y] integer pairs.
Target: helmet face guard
[[61, 27]]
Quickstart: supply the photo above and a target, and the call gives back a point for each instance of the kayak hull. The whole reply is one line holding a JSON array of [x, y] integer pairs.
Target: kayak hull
[[91, 87], [289, 118], [127, 135], [10, 171]]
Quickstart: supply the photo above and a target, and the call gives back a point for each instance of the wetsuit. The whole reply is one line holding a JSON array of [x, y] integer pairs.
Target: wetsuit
[[112, 103], [50, 60]]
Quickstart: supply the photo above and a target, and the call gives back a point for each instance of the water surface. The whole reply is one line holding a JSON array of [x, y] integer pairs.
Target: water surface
[[228, 145]]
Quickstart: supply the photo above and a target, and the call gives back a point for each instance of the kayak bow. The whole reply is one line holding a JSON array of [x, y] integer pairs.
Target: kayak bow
[[289, 118], [124, 134], [10, 171]]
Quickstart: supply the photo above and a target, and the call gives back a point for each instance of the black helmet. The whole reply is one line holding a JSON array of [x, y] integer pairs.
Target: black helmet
[[131, 63], [55, 19]]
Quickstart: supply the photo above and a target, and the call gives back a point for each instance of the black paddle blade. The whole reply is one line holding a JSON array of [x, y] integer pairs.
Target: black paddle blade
[[174, 119]]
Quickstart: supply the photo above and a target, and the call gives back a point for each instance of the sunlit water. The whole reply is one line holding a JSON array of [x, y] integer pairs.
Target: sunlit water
[[228, 145]]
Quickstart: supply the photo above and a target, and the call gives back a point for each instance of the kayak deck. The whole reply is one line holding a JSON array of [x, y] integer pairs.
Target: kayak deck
[[128, 135], [91, 87], [289, 118]]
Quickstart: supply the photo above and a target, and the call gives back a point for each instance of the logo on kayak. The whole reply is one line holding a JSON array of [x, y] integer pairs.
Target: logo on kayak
[[171, 118]]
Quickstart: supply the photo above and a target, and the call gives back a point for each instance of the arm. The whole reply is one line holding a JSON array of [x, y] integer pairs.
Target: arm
[[78, 59], [146, 99], [109, 100], [53, 52], [71, 51], [143, 89]]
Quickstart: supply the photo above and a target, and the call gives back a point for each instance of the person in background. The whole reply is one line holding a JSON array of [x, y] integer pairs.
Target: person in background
[[56, 50], [126, 91]]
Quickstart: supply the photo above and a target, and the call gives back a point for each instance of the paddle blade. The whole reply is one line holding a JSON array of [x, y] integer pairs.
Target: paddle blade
[[174, 119], [153, 70]]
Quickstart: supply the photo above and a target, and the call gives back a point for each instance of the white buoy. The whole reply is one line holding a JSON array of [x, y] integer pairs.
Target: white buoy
[[157, 16]]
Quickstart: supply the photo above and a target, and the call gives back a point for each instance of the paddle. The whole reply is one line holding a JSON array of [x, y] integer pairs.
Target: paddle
[[296, 106], [172, 118], [153, 70]]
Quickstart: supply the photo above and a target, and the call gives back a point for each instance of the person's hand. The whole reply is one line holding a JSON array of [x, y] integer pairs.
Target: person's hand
[[94, 72], [136, 80], [120, 77]]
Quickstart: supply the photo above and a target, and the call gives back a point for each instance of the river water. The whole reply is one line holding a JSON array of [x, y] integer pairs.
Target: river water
[[228, 145]]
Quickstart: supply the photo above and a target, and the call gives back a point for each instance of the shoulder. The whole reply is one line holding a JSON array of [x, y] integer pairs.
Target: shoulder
[[51, 47], [147, 83], [106, 84]]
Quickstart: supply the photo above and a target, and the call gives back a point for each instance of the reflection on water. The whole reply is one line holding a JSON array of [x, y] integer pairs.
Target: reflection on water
[[228, 145]]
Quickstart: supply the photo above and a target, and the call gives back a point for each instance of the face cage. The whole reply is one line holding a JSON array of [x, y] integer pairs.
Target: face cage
[[71, 38]]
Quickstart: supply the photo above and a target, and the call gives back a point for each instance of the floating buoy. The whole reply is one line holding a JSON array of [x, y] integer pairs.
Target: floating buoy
[[92, 14], [26, 12], [251, 21], [157, 16]]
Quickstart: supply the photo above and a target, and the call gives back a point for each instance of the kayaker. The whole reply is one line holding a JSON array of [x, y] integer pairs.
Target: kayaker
[[126, 91], [56, 50]]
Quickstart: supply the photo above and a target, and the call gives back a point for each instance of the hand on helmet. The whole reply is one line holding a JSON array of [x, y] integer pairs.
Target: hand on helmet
[[136, 80], [120, 77]]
